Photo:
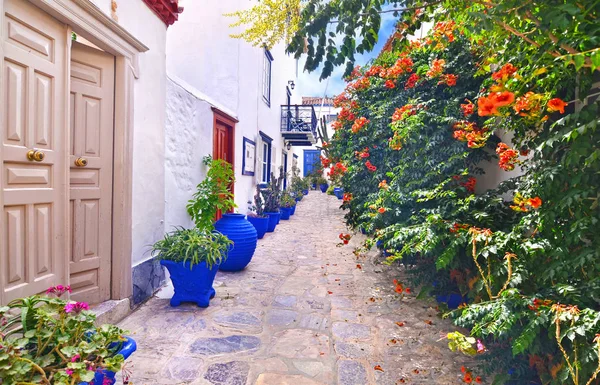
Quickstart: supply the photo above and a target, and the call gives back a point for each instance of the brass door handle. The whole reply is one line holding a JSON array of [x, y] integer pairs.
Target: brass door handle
[[35, 155], [81, 162]]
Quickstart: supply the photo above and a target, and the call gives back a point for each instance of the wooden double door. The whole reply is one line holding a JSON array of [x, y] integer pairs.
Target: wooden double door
[[56, 154]]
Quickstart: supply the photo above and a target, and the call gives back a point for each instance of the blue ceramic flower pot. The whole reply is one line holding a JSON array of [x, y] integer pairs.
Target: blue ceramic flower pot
[[273, 220], [285, 213], [244, 237], [191, 284], [106, 377], [338, 192], [314, 186], [324, 187], [260, 224], [305, 192], [452, 300], [293, 210]]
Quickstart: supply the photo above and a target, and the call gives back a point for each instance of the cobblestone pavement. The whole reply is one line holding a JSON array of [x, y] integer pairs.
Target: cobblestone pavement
[[302, 313]]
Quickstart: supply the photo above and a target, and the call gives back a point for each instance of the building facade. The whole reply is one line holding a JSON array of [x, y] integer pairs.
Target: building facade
[[107, 109]]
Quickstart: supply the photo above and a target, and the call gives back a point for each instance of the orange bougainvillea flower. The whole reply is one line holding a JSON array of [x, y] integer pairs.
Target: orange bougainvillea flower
[[486, 106], [449, 80], [407, 290], [468, 108], [399, 289], [504, 73], [381, 210], [390, 84], [467, 379], [478, 379], [535, 202], [383, 185], [508, 157], [359, 123], [347, 197], [378, 367], [412, 81], [502, 99], [557, 104], [436, 69]]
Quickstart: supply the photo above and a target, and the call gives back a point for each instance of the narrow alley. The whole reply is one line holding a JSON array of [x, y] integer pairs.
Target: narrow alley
[[304, 312]]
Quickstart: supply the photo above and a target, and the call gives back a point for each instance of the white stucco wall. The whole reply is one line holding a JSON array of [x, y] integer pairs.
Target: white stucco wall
[[148, 210], [208, 68]]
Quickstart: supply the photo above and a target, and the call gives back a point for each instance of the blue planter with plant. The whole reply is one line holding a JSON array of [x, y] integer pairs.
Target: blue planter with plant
[[273, 220], [305, 191], [261, 224], [452, 300], [107, 377], [192, 257], [285, 213], [244, 237], [324, 187], [60, 340], [293, 210]]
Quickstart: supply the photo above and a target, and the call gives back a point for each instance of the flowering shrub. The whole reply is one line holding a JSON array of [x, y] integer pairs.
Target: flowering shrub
[[48, 340], [516, 250]]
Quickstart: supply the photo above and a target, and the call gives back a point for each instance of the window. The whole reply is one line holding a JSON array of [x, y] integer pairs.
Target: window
[[266, 91], [265, 158]]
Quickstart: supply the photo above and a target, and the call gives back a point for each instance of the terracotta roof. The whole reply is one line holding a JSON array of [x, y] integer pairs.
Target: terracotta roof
[[167, 10], [316, 101]]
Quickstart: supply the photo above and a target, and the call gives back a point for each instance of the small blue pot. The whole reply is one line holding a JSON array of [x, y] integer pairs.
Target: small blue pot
[[106, 376], [452, 300], [191, 284], [338, 192], [314, 186], [273, 220], [293, 210], [305, 192], [244, 236], [285, 213], [260, 224], [324, 187]]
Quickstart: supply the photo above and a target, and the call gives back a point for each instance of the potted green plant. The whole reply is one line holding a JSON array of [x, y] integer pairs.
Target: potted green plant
[[322, 183], [192, 257], [287, 203], [48, 340], [257, 216], [271, 196]]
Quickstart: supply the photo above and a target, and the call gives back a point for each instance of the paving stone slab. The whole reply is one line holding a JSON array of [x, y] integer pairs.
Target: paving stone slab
[[231, 344]]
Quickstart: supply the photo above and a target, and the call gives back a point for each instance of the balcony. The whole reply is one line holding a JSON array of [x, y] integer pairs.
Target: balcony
[[299, 125]]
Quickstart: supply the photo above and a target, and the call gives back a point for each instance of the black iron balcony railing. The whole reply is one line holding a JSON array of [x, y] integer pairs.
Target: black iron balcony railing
[[297, 118]]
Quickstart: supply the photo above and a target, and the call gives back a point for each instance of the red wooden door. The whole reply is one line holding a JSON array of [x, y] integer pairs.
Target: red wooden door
[[223, 146]]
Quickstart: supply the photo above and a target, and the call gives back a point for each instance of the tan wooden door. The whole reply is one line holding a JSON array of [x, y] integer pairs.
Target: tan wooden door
[[91, 158], [33, 117]]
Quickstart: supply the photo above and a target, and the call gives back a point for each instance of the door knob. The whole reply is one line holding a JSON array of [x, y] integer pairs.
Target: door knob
[[81, 162], [35, 155]]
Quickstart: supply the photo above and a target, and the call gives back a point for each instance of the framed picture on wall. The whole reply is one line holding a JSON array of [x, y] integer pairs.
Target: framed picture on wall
[[249, 157]]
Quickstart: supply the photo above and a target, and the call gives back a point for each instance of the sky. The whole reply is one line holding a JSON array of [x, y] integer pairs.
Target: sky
[[308, 84]]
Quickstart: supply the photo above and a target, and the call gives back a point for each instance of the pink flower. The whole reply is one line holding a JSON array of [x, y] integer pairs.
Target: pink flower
[[76, 307], [69, 371], [75, 358], [58, 290], [480, 347]]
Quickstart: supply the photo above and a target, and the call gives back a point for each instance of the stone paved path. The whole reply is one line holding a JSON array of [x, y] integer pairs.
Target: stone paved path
[[302, 313]]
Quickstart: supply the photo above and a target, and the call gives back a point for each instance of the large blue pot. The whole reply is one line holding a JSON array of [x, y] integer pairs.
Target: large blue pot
[[106, 377], [244, 237], [324, 187], [273, 220], [260, 224], [285, 213], [191, 284], [293, 210]]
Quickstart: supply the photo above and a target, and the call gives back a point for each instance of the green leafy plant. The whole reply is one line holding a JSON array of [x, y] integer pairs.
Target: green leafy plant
[[213, 194], [272, 193], [47, 340], [193, 246], [287, 200], [258, 209]]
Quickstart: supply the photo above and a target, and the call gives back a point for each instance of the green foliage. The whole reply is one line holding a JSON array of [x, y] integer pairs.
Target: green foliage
[[213, 194], [515, 263], [287, 200], [43, 341], [193, 246], [272, 193]]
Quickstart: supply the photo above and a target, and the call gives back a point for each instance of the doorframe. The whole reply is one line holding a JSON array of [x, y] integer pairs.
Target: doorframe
[[220, 117], [90, 22]]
